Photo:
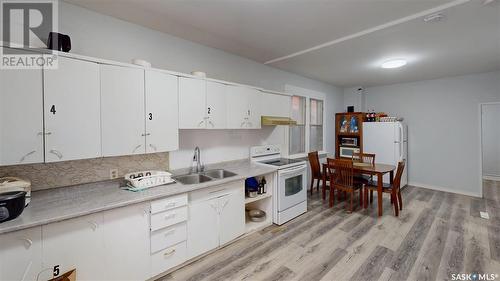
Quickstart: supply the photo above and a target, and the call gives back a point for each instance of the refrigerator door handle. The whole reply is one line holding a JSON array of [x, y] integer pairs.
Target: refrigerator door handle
[[401, 141]]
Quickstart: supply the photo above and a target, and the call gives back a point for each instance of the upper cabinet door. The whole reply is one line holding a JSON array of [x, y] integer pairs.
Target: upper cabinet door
[[122, 110], [21, 117], [162, 119], [237, 99], [216, 105], [255, 109], [192, 103], [72, 111], [275, 105]]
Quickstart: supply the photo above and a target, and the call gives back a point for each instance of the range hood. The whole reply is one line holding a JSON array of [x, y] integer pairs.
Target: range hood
[[275, 120]]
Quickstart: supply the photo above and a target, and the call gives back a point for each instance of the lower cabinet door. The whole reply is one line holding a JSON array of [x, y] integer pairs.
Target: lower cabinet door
[[76, 244], [203, 227], [168, 258], [21, 255], [232, 215], [126, 243]]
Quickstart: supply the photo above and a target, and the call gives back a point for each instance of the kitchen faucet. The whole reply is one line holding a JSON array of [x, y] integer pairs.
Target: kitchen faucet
[[197, 166]]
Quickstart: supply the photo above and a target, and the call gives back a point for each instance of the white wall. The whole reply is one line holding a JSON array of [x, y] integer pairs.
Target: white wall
[[443, 123], [102, 36], [491, 139]]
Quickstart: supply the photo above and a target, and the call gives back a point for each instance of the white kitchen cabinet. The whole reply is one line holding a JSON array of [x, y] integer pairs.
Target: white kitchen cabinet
[[192, 103], [232, 215], [76, 243], [275, 105], [21, 116], [216, 216], [21, 255], [126, 243], [203, 229], [122, 110], [72, 111], [255, 109], [243, 107], [162, 118], [216, 105]]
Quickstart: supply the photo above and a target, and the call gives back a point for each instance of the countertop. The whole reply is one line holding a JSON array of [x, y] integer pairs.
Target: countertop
[[53, 205]]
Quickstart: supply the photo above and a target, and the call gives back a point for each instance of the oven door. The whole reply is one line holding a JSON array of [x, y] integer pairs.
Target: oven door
[[291, 187]]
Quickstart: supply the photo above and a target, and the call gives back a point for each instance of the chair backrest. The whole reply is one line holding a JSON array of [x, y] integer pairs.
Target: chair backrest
[[364, 158], [399, 174], [342, 172], [315, 165]]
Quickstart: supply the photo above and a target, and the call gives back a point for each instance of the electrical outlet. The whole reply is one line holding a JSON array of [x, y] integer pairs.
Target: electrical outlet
[[113, 173]]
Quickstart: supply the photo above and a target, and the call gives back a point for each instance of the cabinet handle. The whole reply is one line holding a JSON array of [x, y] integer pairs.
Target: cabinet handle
[[27, 154], [171, 216], [153, 147], [28, 242], [169, 253], [137, 147], [56, 153], [147, 134], [170, 205], [93, 225], [224, 204], [44, 134], [169, 232]]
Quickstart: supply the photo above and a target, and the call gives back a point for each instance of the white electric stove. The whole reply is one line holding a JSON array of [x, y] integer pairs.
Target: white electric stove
[[290, 198]]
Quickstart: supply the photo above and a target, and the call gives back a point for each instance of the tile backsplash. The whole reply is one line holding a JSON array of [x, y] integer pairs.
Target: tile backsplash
[[51, 175]]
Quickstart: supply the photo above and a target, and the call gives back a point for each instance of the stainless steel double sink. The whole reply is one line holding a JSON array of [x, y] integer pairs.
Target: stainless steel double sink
[[209, 175]]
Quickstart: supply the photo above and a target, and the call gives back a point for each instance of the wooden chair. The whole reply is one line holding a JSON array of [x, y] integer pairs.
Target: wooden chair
[[368, 158], [393, 189], [316, 173], [342, 179]]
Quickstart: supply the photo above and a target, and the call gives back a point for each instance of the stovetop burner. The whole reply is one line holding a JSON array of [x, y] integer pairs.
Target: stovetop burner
[[281, 162]]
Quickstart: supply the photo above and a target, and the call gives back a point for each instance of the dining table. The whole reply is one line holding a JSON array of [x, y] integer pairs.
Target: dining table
[[377, 170]]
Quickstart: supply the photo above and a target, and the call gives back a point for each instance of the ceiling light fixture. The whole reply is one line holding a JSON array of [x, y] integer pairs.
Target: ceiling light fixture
[[394, 63], [434, 17]]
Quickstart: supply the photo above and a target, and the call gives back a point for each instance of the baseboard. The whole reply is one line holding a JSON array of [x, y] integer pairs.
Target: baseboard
[[445, 189], [491, 177]]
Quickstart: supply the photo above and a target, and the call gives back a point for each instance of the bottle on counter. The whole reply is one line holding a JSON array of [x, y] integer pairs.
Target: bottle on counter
[[264, 184]]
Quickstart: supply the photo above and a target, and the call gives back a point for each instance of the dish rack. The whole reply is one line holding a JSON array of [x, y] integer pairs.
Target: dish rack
[[145, 179]]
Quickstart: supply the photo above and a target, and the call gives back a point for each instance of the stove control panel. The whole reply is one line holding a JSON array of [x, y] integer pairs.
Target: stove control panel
[[265, 150]]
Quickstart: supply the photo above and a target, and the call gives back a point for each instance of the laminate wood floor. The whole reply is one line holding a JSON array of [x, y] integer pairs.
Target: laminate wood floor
[[437, 234]]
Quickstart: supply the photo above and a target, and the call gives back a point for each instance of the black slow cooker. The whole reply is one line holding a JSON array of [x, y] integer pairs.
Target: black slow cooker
[[11, 204]]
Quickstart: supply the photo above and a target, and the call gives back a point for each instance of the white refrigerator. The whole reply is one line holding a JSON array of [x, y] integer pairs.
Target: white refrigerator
[[389, 142]]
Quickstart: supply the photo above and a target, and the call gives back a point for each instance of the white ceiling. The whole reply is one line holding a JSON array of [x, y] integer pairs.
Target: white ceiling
[[467, 41]]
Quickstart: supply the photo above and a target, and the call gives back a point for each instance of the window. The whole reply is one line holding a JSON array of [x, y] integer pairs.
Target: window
[[297, 143], [316, 125]]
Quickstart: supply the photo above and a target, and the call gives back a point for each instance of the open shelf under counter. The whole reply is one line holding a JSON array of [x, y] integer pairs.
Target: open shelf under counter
[[252, 226], [257, 198]]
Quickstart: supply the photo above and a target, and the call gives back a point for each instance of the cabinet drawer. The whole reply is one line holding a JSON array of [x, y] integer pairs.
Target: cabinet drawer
[[216, 191], [167, 237], [168, 203], [168, 258], [168, 218]]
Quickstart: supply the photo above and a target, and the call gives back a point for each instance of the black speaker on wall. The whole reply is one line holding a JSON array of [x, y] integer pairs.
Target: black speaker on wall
[[59, 42], [350, 108]]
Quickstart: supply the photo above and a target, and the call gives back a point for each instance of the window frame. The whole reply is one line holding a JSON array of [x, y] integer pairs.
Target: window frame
[[307, 147]]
